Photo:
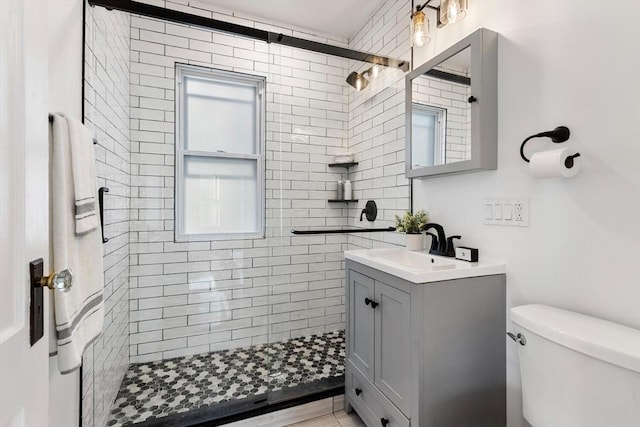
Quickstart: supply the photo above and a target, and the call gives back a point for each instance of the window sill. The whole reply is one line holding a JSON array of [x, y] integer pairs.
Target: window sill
[[214, 237]]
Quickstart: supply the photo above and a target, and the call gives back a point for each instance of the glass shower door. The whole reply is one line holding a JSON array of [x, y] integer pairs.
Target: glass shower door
[[306, 126]]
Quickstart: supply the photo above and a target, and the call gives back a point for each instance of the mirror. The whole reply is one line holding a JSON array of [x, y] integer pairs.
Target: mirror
[[441, 113], [452, 114]]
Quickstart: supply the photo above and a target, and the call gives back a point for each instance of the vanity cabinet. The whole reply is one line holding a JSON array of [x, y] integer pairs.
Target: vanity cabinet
[[381, 317], [429, 354]]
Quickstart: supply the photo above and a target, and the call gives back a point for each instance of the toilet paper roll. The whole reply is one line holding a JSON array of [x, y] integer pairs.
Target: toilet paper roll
[[551, 164]]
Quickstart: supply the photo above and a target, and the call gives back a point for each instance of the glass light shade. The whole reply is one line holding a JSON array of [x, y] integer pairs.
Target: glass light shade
[[419, 29], [453, 11]]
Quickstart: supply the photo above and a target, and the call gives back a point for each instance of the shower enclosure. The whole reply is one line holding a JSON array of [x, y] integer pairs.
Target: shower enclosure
[[226, 152]]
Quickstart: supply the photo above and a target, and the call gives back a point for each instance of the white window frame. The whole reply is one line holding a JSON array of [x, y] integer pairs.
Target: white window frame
[[183, 71], [440, 137]]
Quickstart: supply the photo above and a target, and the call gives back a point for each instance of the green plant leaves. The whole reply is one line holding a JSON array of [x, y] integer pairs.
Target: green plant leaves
[[412, 223]]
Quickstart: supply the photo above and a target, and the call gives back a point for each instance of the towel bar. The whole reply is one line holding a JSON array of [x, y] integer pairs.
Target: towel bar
[[101, 192], [95, 140]]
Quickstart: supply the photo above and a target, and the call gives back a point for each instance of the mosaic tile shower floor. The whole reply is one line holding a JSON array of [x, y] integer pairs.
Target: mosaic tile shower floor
[[157, 389]]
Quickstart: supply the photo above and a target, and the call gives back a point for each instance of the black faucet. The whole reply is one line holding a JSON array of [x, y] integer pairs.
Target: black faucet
[[441, 244]]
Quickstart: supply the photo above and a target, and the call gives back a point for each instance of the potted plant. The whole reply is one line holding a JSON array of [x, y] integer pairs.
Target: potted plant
[[412, 225]]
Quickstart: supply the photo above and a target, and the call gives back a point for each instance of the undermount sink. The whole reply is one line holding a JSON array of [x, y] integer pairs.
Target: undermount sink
[[422, 267]]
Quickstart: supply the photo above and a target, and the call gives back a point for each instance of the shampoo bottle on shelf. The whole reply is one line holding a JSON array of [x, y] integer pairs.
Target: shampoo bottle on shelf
[[340, 191], [347, 190]]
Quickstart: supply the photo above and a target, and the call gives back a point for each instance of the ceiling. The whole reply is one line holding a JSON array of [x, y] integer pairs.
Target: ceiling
[[342, 18]]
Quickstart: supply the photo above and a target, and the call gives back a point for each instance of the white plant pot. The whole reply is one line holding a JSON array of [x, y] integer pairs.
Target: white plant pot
[[414, 242]]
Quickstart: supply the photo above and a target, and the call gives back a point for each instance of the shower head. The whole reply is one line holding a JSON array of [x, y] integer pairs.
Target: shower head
[[357, 80]]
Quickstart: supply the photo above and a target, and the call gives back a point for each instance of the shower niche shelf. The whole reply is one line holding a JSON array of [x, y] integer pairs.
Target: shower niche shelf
[[346, 166], [342, 165]]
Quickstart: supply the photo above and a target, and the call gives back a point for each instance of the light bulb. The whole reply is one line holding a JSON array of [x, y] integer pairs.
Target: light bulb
[[420, 29], [375, 71], [418, 36], [359, 84], [453, 11]]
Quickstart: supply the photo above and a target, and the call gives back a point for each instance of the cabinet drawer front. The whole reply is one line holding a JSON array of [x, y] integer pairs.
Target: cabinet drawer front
[[361, 322], [393, 344], [370, 404]]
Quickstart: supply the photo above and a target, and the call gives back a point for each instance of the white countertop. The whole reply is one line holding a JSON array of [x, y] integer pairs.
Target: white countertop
[[422, 267]]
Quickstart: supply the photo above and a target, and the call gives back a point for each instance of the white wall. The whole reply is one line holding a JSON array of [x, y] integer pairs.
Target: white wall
[[573, 63]]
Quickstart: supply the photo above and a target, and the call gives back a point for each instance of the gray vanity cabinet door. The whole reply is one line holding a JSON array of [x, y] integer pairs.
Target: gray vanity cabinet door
[[392, 344], [361, 323]]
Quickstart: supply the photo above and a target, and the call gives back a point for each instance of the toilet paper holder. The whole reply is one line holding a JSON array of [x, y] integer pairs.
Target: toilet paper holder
[[558, 135]]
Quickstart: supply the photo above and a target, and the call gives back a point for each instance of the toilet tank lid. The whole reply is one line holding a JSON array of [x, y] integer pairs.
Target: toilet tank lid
[[601, 339]]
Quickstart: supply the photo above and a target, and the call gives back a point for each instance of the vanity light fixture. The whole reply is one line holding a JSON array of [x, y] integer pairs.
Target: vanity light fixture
[[359, 81], [419, 28], [449, 12]]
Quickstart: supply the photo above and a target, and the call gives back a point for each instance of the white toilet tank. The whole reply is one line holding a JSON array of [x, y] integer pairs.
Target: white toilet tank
[[577, 370]]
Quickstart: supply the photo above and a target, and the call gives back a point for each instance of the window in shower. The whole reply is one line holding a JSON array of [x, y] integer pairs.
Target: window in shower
[[219, 154]]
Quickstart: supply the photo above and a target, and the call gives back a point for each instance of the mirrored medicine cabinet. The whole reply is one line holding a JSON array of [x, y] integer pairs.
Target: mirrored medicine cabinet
[[452, 109]]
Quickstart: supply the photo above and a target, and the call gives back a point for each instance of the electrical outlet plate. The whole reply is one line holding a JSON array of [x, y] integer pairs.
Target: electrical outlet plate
[[511, 212]]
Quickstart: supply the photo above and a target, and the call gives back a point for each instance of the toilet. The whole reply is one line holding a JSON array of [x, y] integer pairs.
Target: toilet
[[576, 370]]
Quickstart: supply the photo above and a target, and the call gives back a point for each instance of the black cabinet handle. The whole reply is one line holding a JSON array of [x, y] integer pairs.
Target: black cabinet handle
[[384, 422], [368, 301], [358, 391]]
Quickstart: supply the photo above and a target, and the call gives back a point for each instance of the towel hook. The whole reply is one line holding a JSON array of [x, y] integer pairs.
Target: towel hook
[[558, 135]]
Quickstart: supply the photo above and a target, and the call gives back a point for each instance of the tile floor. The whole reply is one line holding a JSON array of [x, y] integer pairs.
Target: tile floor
[[157, 389]]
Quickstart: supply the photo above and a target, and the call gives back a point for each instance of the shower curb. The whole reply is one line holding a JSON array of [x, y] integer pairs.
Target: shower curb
[[236, 410]]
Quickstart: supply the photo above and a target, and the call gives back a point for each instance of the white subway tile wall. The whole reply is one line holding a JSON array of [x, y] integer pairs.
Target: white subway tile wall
[[377, 126], [195, 297], [106, 106]]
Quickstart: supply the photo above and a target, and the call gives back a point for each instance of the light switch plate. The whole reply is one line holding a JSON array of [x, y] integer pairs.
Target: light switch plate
[[511, 212]]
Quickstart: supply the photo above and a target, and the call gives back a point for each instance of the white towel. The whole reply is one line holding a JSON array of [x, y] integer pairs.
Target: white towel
[[79, 313], [83, 170]]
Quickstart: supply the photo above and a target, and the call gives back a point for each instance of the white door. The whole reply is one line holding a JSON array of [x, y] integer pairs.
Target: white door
[[23, 210]]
